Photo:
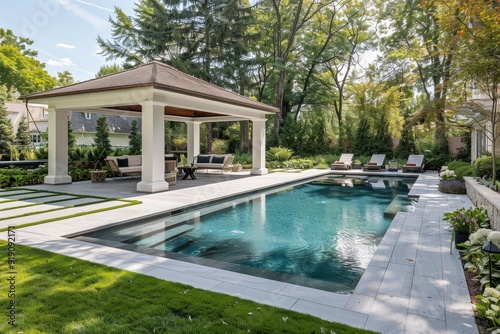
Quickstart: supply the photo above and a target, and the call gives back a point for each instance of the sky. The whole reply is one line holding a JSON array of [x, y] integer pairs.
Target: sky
[[64, 32]]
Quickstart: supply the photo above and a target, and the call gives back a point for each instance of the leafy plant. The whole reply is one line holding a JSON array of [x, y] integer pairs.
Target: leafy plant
[[278, 154], [447, 175], [467, 220]]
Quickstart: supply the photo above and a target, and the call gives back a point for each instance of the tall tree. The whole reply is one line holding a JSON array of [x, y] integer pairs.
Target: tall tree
[[415, 31], [6, 133], [64, 79], [23, 139], [101, 140], [478, 57], [135, 140], [200, 37]]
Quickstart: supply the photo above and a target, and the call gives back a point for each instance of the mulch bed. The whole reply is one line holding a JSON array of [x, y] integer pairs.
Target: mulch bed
[[474, 290]]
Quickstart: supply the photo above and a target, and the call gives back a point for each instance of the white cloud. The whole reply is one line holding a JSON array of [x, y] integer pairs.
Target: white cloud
[[83, 14], [65, 46], [60, 62], [94, 5]]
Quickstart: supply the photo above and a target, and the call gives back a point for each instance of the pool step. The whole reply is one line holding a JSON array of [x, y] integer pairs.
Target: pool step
[[160, 238], [399, 203]]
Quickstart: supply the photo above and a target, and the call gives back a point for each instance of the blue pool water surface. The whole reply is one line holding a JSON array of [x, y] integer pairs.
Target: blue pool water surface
[[318, 234]]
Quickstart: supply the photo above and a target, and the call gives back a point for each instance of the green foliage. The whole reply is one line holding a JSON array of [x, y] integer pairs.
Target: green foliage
[[15, 177], [105, 70], [6, 133], [290, 164], [363, 142], [407, 144], [467, 220], [219, 146], [484, 166], [382, 143], [19, 69], [280, 154], [23, 140], [135, 139], [242, 158], [101, 140]]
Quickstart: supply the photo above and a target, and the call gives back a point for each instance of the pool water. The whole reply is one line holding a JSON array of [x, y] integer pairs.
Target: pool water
[[320, 234]]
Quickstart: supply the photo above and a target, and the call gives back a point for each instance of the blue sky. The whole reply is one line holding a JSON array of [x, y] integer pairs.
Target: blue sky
[[64, 32]]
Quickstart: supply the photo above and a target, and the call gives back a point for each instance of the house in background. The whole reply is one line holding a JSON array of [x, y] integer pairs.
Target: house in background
[[83, 124]]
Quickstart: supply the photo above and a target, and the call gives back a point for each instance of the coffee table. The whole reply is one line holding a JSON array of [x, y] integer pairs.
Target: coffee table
[[188, 171]]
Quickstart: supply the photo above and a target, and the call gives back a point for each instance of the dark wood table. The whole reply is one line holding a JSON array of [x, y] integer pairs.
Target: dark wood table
[[188, 171]]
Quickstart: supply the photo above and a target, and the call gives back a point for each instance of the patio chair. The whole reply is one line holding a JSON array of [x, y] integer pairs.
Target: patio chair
[[376, 162], [344, 162], [415, 163]]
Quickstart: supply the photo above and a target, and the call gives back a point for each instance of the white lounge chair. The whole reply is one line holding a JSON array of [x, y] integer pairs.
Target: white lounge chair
[[376, 162], [415, 163], [344, 162]]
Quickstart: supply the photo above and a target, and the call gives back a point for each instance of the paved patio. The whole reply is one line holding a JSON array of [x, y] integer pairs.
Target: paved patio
[[412, 285]]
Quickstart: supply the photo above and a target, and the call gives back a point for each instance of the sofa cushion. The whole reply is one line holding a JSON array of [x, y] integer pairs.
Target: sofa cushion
[[204, 159], [122, 162], [134, 160], [217, 159]]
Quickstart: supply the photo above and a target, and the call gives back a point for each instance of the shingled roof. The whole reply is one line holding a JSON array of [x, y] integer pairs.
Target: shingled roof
[[159, 76]]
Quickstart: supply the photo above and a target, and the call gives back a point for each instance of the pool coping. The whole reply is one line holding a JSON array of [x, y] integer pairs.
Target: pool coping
[[412, 284]]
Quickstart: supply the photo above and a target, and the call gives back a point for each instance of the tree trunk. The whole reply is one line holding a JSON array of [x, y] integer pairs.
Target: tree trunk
[[244, 140]]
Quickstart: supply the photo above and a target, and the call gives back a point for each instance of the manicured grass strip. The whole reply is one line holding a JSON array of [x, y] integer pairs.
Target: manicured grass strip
[[59, 294], [83, 213]]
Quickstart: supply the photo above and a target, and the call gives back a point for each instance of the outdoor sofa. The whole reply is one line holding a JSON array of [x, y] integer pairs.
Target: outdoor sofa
[[214, 161], [131, 165]]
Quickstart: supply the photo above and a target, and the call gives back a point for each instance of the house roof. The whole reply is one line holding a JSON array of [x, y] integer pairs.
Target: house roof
[[161, 77]]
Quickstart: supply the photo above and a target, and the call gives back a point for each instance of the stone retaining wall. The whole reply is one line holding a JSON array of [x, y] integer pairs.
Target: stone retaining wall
[[480, 195]]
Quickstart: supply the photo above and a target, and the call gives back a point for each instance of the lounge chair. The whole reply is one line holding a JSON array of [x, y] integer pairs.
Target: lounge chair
[[415, 163], [376, 162], [344, 162]]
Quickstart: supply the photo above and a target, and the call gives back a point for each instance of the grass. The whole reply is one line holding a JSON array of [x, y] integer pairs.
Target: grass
[[59, 294]]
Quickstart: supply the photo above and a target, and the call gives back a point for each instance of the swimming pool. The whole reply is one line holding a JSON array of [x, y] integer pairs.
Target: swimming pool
[[320, 234]]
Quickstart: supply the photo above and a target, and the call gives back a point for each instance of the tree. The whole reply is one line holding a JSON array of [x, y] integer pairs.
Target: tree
[[415, 33], [382, 139], [201, 38], [363, 141], [406, 144], [6, 133], [64, 79], [23, 140], [19, 70], [478, 57], [108, 69], [135, 140], [101, 140]]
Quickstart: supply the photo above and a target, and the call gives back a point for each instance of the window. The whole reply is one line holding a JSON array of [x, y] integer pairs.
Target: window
[[88, 115], [36, 139]]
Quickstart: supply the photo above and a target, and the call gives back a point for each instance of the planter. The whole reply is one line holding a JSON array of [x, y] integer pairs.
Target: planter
[[460, 238]]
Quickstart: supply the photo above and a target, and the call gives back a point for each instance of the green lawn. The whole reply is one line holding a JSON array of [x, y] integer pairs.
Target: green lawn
[[59, 294]]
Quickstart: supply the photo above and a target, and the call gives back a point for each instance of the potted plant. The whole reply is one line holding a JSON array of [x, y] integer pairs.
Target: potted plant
[[463, 222]]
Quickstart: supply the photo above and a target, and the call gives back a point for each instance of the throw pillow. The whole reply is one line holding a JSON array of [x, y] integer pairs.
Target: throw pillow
[[339, 162], [411, 165], [170, 158], [372, 163], [218, 160], [122, 162], [203, 159]]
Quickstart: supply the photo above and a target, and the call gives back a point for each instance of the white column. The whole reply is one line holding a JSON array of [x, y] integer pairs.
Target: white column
[[58, 148], [153, 148], [259, 147], [193, 140]]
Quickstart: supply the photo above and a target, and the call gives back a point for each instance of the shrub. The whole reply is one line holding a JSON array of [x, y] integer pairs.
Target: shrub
[[452, 187], [219, 146], [278, 154], [484, 166], [467, 220]]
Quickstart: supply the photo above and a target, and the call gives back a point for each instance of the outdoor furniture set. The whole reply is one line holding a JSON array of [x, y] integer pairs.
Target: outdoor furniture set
[[415, 163]]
